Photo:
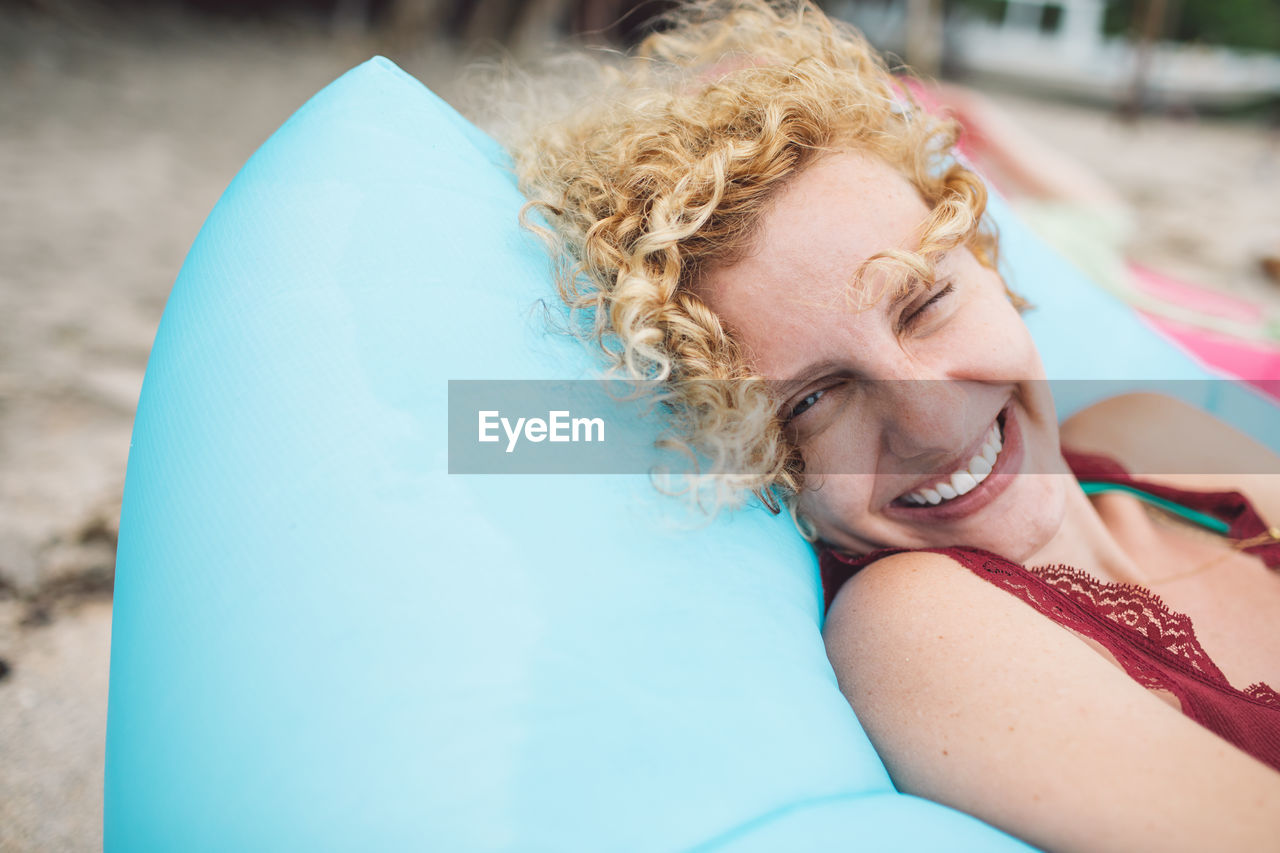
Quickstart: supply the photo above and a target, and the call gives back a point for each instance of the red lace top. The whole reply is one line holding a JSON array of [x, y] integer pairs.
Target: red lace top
[[1156, 646]]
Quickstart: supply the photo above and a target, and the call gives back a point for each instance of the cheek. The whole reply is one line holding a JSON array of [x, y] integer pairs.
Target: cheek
[[836, 504], [1000, 342], [1016, 332]]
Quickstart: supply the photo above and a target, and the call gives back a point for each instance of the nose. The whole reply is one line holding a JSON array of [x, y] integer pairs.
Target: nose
[[925, 417]]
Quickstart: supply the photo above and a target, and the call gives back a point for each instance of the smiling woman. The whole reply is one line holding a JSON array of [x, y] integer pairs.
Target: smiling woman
[[756, 213], [896, 400], [663, 176]]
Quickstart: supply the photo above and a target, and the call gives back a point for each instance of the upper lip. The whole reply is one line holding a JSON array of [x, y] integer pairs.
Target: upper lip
[[955, 463]]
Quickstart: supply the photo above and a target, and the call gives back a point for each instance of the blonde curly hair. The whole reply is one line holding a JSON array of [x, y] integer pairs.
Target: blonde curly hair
[[663, 173]]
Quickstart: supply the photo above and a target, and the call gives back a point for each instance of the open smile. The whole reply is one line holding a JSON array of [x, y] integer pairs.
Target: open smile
[[974, 484]]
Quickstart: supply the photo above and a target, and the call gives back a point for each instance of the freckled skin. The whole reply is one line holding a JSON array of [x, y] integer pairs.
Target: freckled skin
[[897, 401], [971, 697]]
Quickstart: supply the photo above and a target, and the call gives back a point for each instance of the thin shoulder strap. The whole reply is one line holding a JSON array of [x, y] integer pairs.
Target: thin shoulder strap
[[1231, 507]]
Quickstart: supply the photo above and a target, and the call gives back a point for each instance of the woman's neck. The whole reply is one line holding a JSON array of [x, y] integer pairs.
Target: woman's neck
[[1084, 541]]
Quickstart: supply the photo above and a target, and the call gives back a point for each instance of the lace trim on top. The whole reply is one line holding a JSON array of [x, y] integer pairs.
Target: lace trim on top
[[1263, 694], [1155, 646], [1102, 611]]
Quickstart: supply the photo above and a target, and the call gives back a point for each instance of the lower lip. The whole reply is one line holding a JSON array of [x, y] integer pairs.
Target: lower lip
[[1008, 465]]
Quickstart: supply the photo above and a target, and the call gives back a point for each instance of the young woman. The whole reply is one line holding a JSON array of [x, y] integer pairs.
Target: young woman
[[753, 198]]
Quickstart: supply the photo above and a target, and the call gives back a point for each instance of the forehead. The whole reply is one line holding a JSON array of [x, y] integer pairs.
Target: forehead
[[795, 282]]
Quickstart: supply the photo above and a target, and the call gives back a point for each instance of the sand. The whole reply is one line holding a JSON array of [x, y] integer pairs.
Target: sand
[[114, 146]]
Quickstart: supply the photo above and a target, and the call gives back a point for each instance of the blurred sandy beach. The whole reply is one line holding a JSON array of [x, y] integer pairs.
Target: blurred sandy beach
[[116, 139]]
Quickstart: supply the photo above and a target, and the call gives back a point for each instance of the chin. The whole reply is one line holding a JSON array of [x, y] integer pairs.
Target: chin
[[1033, 519], [1032, 510], [1027, 515]]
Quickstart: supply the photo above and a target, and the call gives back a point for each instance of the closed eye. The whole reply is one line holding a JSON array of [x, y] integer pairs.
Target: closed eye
[[919, 313]]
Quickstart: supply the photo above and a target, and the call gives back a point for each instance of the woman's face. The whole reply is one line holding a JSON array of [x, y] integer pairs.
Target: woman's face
[[899, 408]]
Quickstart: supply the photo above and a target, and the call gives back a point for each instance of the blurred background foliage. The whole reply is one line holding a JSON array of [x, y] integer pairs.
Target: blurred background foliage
[[1248, 24]]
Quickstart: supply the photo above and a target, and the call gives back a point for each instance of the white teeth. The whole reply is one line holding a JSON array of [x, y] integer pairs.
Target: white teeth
[[965, 480], [979, 466]]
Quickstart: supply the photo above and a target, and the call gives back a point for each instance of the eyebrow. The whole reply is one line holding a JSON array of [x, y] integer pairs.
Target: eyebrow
[[908, 292], [903, 291], [909, 288]]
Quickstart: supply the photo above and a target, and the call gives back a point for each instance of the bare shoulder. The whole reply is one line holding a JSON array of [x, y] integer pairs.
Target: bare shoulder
[[1165, 440], [911, 639], [974, 699], [904, 616], [898, 589], [924, 579]]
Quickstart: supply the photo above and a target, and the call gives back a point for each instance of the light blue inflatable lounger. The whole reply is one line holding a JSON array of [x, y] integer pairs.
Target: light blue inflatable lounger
[[324, 641]]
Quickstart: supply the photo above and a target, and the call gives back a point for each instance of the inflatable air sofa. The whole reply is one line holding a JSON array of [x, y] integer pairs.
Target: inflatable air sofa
[[323, 640]]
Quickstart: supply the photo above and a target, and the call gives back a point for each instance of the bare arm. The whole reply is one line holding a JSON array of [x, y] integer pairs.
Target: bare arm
[[1167, 441], [975, 700]]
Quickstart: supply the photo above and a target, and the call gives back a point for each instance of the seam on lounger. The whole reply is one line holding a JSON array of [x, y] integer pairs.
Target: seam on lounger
[[757, 823]]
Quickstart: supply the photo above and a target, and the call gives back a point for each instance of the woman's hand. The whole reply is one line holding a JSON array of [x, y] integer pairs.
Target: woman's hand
[[975, 700]]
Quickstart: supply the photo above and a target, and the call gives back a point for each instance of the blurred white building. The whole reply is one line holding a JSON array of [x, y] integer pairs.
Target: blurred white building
[[1059, 46]]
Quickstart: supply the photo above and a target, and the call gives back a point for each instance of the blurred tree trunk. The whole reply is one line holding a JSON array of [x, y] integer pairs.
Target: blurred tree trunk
[[539, 22], [924, 36], [413, 15], [1150, 30]]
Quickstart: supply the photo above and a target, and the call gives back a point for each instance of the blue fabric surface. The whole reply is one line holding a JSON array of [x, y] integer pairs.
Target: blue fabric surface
[[324, 641], [1093, 346]]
